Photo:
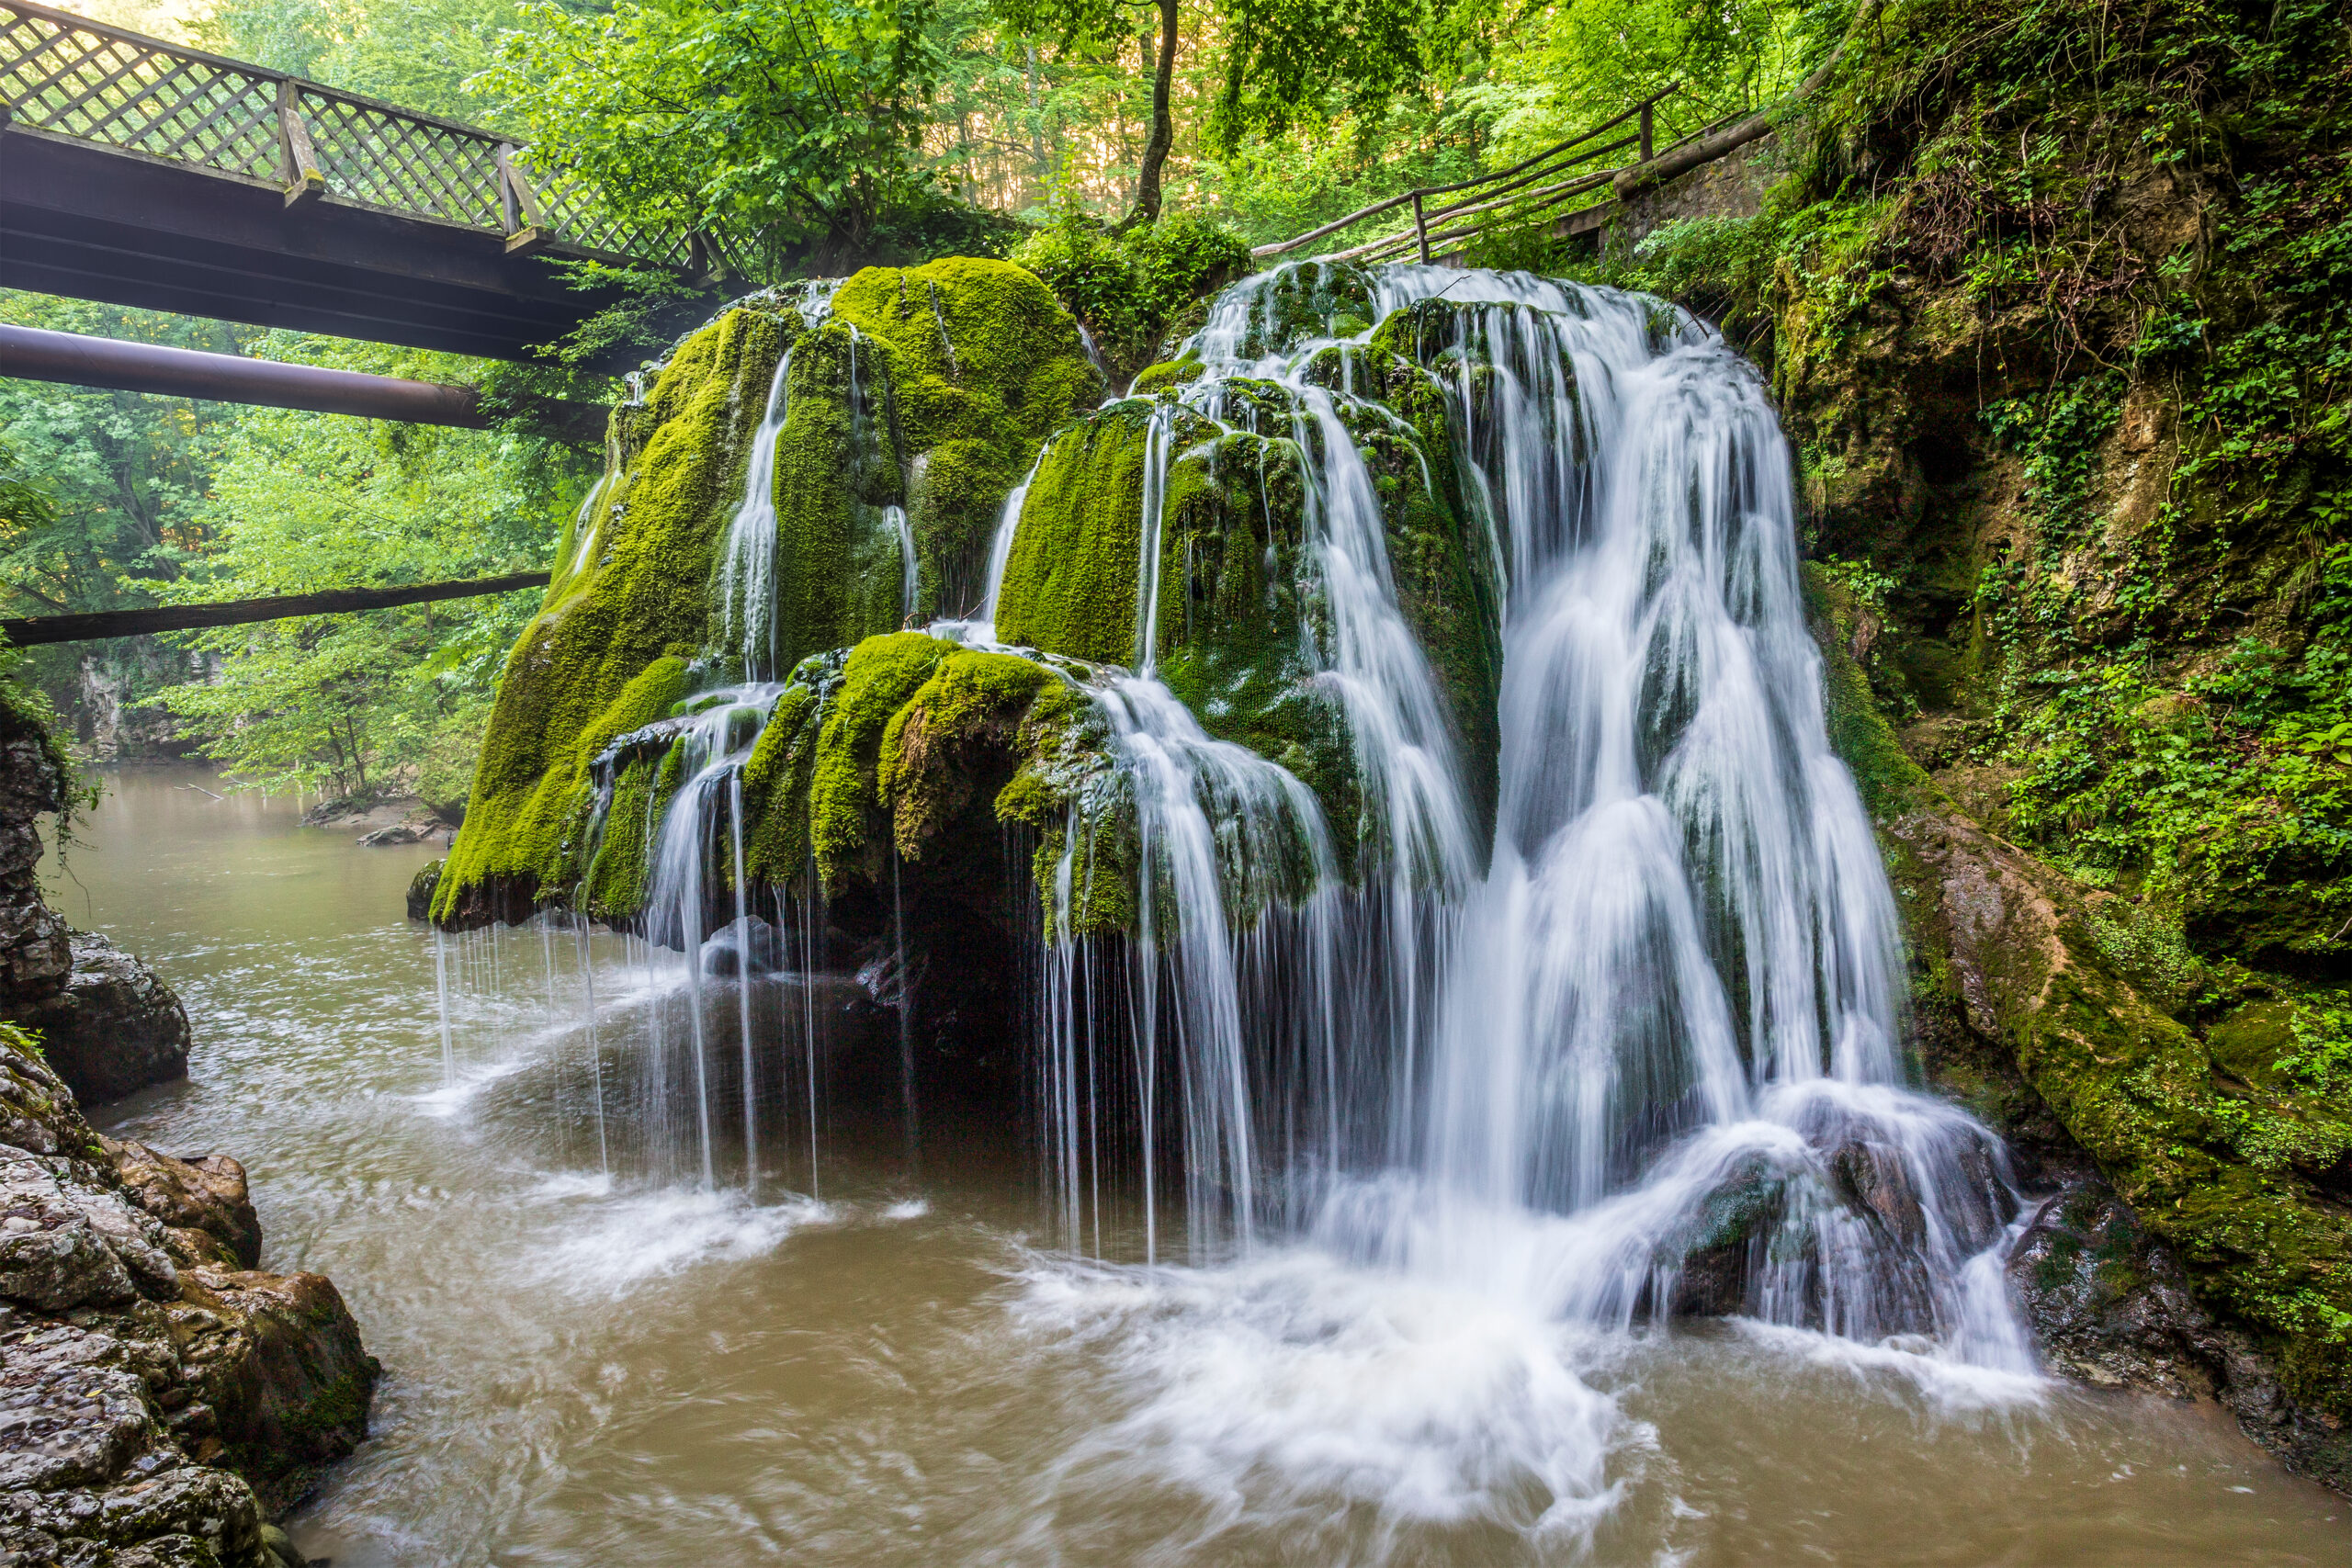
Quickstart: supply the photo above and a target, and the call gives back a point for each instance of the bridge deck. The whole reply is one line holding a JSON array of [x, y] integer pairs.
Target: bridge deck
[[139, 172]]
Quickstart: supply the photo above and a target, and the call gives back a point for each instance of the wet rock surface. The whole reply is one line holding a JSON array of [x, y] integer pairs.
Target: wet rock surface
[[113, 1028], [108, 1024], [35, 953], [2110, 1306], [421, 888], [159, 1398]]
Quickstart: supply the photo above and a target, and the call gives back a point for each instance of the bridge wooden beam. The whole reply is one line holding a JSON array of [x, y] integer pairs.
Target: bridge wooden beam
[[36, 353], [36, 629], [94, 222]]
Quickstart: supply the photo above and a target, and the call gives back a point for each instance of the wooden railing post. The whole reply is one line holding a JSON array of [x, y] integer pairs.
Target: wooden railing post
[[1421, 228], [305, 181], [1645, 132], [518, 207]]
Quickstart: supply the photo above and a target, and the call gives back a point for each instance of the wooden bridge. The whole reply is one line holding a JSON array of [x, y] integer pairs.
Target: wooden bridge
[[140, 172]]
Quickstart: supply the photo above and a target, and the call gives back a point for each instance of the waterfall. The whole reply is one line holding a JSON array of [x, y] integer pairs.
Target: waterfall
[[1655, 1021], [1631, 1048], [746, 557], [895, 519], [1000, 543], [713, 743]]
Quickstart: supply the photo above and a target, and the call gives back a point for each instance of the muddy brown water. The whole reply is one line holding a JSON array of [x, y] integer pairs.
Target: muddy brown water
[[594, 1370]]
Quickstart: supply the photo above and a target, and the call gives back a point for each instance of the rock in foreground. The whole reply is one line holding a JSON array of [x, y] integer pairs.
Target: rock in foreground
[[159, 1399], [113, 1028]]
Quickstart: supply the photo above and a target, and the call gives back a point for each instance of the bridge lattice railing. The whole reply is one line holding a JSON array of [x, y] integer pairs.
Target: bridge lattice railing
[[71, 76]]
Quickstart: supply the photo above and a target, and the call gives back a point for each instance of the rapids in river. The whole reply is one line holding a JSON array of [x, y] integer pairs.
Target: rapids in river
[[676, 1253]]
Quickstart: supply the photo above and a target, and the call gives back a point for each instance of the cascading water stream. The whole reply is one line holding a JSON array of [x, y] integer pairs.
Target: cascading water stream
[[747, 584], [716, 742], [747, 559], [1634, 1052], [1669, 990], [1000, 546]]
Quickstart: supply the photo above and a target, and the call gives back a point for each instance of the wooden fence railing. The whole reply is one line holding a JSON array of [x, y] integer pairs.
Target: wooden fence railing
[[71, 76], [1549, 180]]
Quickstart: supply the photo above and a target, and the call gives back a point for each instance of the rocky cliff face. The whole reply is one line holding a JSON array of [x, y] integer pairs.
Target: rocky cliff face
[[163, 1400], [36, 951], [109, 1024]]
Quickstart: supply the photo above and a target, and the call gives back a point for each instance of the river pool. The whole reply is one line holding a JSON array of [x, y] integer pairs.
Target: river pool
[[595, 1369]]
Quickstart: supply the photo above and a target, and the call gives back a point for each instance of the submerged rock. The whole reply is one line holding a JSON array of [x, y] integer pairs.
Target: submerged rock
[[114, 1027], [751, 946], [158, 1398]]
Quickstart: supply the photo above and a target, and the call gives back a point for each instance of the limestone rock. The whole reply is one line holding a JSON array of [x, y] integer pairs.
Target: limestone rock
[[202, 1203], [278, 1360], [2112, 1306], [186, 1396], [113, 1028], [65, 1243], [34, 949]]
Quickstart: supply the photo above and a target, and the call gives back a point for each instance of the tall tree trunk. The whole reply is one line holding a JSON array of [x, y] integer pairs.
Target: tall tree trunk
[[1163, 123]]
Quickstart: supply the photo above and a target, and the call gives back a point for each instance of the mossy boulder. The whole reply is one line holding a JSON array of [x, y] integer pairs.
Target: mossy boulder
[[1239, 634], [981, 363], [632, 593], [927, 389]]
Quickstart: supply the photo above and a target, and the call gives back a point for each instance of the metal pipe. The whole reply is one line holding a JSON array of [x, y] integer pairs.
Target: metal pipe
[[36, 353], [37, 629]]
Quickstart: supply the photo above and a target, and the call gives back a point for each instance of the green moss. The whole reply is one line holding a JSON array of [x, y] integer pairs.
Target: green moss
[[982, 364], [776, 778], [934, 747], [1067, 792], [911, 730], [540, 836], [882, 673], [1447, 570], [1136, 289], [1166, 376], [1890, 781], [639, 595], [1069, 583], [885, 410], [839, 466]]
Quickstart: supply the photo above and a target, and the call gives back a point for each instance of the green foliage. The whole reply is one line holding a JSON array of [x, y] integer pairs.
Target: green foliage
[[789, 126], [24, 1042], [302, 502], [2057, 435], [1288, 60], [1129, 287], [121, 476], [416, 53]]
